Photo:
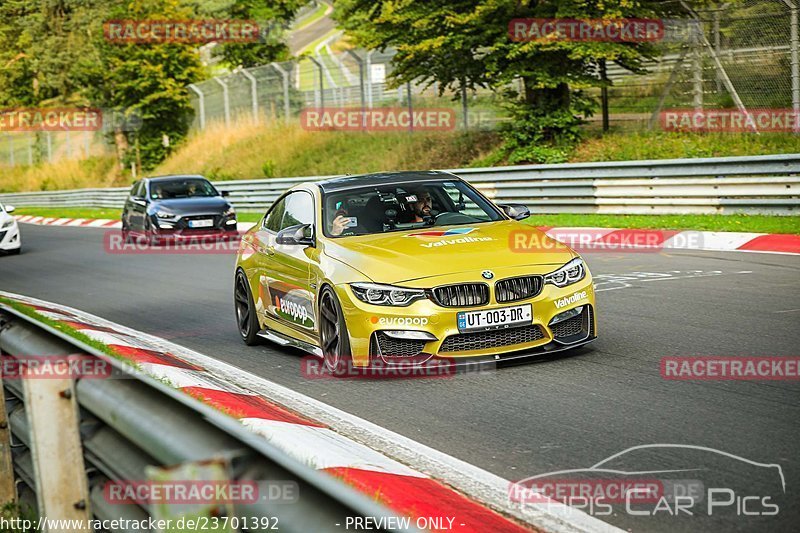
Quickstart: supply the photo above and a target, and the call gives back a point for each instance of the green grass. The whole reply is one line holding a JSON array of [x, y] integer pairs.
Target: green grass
[[311, 18], [627, 146], [742, 223]]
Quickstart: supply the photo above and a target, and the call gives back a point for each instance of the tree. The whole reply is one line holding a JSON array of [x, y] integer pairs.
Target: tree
[[466, 44]]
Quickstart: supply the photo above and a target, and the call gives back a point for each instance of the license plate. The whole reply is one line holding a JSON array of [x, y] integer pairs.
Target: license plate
[[205, 223], [505, 317]]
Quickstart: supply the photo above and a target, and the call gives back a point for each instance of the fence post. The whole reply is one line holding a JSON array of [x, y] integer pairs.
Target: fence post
[[285, 75], [201, 103], [321, 81], [10, 149], [464, 104], [225, 101], [49, 147], [410, 109], [795, 62], [369, 78], [31, 140], [604, 94], [362, 92], [697, 76], [253, 93]]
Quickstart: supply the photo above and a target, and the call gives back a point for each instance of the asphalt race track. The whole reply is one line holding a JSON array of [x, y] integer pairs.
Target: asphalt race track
[[561, 412]]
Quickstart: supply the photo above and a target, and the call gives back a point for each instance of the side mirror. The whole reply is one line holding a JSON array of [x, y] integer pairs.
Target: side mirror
[[516, 211], [224, 193], [300, 235], [10, 209], [139, 200]]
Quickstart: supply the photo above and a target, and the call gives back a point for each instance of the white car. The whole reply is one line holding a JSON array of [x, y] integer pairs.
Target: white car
[[10, 238]]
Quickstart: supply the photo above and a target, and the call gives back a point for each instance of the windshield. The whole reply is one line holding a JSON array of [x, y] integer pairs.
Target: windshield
[[181, 188], [404, 206]]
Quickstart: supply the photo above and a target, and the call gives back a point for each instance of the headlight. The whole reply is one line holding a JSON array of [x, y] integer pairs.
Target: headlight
[[231, 212], [164, 214], [8, 223], [567, 274], [373, 293]]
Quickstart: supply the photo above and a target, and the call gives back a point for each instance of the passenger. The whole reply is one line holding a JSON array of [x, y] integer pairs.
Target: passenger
[[422, 207]]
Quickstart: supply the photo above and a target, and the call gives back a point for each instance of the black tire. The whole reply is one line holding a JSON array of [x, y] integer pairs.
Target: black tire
[[333, 337], [126, 234], [246, 319]]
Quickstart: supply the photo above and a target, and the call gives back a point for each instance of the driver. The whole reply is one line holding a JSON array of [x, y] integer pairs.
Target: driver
[[422, 207]]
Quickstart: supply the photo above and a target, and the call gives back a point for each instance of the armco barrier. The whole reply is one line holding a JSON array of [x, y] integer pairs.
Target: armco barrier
[[725, 185], [130, 424]]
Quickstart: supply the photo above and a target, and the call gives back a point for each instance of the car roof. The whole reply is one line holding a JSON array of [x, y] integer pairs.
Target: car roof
[[176, 176], [382, 178]]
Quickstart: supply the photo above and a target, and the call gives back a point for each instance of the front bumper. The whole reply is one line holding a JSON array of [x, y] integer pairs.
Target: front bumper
[[10, 238], [178, 229], [368, 324]]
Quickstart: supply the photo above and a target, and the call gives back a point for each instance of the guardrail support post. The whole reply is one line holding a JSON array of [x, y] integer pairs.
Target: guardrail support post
[[61, 486], [8, 492], [361, 86]]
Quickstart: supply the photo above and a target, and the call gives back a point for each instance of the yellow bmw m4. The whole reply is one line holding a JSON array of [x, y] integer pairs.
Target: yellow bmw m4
[[404, 268]]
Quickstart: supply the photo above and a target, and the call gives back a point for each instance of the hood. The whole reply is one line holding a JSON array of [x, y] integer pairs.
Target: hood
[[192, 206], [442, 250]]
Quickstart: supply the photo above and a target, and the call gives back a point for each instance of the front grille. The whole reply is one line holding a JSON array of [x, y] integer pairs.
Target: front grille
[[568, 328], [515, 289], [183, 223], [398, 347], [485, 340], [465, 295]]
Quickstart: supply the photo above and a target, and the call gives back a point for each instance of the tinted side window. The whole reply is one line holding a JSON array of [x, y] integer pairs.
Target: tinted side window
[[299, 210], [275, 215]]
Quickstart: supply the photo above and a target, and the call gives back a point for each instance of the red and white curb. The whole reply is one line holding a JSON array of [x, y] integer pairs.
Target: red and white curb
[[408, 477], [85, 222], [91, 222], [716, 241]]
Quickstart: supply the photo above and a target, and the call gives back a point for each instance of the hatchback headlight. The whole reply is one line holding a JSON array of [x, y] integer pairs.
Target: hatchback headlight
[[568, 274], [8, 223], [376, 294], [164, 214], [231, 212]]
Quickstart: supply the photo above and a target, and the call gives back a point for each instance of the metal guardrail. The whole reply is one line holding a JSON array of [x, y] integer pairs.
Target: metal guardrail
[[127, 425], [725, 185]]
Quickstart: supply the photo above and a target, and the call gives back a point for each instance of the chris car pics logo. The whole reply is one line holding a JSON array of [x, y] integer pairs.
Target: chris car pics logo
[[441, 233]]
